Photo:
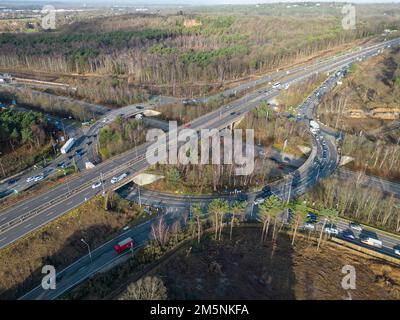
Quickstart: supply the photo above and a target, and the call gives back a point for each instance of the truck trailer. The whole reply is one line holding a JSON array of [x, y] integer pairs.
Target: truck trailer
[[372, 242], [67, 146]]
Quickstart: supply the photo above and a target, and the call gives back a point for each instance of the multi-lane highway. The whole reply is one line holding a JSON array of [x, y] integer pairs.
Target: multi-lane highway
[[322, 162], [18, 221]]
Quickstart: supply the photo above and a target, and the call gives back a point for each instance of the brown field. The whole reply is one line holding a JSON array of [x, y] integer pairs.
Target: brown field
[[230, 270]]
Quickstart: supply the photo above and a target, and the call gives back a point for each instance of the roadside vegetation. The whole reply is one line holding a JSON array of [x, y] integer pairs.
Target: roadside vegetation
[[273, 131], [25, 138], [58, 243], [357, 202], [121, 135], [366, 108], [213, 268], [52, 104]]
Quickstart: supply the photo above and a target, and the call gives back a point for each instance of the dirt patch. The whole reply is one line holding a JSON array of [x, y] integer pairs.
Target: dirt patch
[[230, 270]]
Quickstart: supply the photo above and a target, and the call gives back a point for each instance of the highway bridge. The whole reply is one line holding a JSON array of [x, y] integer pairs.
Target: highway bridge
[[29, 215], [324, 149]]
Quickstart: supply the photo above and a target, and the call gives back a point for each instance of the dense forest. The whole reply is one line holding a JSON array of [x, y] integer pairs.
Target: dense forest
[[25, 138], [18, 128], [165, 52]]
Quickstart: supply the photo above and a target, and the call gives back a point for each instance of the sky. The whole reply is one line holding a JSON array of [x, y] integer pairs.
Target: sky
[[191, 2]]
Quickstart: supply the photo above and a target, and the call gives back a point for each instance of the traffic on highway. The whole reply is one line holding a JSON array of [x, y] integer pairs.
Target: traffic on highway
[[29, 215]]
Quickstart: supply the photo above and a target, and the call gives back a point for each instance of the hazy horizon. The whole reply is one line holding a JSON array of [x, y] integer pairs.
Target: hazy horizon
[[188, 2]]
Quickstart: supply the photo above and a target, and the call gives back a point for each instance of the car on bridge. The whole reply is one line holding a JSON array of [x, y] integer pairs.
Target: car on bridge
[[96, 185], [118, 178]]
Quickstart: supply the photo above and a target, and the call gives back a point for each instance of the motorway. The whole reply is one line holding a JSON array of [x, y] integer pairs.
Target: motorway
[[85, 142], [322, 162], [29, 215]]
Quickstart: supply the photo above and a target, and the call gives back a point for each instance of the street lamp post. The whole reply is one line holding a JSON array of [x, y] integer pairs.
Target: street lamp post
[[1, 165], [102, 184], [140, 199], [90, 253], [65, 174]]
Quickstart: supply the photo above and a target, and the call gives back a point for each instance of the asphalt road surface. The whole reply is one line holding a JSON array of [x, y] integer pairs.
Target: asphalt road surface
[[322, 162], [18, 221]]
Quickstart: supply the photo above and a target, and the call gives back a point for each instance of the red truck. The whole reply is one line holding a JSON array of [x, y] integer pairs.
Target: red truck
[[123, 245]]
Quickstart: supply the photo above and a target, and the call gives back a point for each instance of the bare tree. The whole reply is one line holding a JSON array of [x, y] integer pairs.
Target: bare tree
[[149, 288], [160, 232]]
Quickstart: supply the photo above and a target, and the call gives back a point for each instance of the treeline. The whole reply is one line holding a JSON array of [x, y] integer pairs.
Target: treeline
[[25, 139], [52, 104], [18, 128], [378, 158], [357, 202], [162, 50], [211, 178]]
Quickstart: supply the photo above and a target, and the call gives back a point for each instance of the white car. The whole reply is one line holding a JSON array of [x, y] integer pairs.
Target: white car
[[96, 185], [397, 252], [38, 178], [30, 179], [119, 178], [355, 226], [258, 201], [309, 226], [331, 229]]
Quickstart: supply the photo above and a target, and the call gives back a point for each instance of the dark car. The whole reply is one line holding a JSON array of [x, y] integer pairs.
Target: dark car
[[139, 107], [266, 192], [312, 217], [12, 181], [242, 197], [348, 234]]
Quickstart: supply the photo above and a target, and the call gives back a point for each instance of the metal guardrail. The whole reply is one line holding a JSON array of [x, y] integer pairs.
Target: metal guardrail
[[300, 170], [72, 192]]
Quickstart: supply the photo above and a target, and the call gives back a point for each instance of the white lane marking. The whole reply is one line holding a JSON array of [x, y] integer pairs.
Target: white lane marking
[[26, 207], [1, 240], [69, 203], [50, 213], [27, 226], [46, 197]]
